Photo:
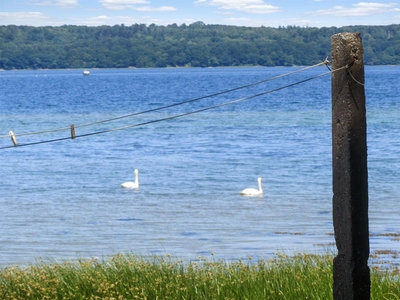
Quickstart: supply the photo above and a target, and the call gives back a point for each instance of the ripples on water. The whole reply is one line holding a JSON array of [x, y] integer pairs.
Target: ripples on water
[[63, 200]]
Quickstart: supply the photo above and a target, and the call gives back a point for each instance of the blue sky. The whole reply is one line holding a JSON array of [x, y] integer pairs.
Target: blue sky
[[254, 13]]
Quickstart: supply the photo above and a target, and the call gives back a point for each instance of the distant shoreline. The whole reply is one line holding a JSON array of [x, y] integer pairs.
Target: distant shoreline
[[187, 67]]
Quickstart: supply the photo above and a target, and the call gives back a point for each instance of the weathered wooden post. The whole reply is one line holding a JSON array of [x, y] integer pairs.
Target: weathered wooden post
[[351, 276]]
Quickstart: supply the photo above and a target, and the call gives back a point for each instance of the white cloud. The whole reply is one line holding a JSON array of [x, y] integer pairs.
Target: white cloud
[[247, 6], [161, 8], [106, 20], [67, 2], [61, 3], [21, 18], [135, 5], [358, 10], [121, 4], [101, 18]]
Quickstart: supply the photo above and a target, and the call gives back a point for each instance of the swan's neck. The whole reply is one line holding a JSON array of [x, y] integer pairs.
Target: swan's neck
[[137, 178], [260, 186]]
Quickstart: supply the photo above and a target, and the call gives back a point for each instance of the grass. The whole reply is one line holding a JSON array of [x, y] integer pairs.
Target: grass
[[162, 277]]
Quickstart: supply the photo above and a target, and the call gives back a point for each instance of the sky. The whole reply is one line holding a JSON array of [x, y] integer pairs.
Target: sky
[[250, 13]]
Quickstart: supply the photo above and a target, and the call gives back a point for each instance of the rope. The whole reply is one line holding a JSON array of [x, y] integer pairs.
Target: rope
[[351, 74], [175, 104], [348, 66], [179, 115], [187, 113]]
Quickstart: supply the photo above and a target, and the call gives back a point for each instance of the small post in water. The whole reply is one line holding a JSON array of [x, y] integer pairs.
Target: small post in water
[[72, 131], [351, 275]]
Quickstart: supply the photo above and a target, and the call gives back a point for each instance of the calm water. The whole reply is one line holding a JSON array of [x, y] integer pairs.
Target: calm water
[[63, 200]]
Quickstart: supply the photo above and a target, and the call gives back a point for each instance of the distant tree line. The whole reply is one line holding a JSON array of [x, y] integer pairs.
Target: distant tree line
[[194, 45]]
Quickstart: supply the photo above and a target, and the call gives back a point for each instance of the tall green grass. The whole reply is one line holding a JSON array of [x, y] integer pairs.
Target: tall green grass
[[162, 277]]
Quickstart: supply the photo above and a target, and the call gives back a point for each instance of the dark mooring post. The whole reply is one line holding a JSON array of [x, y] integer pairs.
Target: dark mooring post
[[351, 276]]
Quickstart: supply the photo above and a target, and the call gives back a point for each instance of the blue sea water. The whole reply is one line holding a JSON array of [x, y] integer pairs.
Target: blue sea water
[[63, 200]]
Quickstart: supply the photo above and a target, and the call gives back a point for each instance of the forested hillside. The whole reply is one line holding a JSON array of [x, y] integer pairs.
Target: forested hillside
[[196, 45]]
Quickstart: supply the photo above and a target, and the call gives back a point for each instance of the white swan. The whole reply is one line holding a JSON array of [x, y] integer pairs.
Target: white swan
[[253, 192], [130, 184]]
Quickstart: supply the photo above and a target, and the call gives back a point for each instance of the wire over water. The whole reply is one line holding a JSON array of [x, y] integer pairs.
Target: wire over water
[[176, 104], [171, 105]]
